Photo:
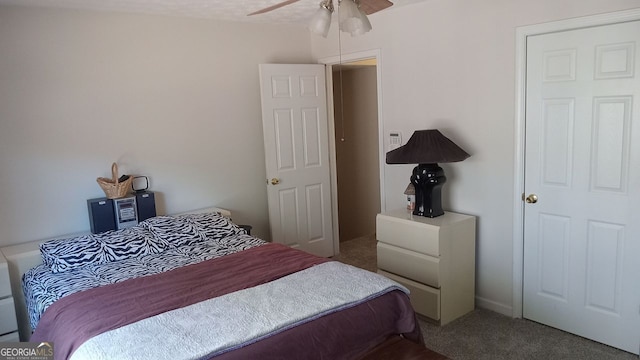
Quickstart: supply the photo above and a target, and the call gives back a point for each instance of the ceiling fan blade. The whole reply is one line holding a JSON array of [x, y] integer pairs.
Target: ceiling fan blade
[[273, 7], [372, 6]]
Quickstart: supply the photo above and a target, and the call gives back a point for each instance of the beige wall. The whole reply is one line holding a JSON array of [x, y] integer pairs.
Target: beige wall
[[357, 166], [450, 64], [176, 99]]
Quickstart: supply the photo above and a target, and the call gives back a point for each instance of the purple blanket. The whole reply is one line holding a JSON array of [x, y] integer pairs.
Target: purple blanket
[[74, 319]]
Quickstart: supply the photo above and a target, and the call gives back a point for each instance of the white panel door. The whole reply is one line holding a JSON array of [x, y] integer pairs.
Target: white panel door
[[296, 142], [582, 236]]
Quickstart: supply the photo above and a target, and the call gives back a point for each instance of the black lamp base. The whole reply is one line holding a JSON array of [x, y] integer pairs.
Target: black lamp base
[[428, 180]]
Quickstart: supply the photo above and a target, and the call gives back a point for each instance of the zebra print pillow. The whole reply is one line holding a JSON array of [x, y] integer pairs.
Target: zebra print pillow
[[128, 243], [213, 226], [65, 254], [152, 236], [172, 231], [191, 229]]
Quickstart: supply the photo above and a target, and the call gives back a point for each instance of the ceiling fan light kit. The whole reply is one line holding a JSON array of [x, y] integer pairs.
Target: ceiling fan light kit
[[321, 20], [353, 17]]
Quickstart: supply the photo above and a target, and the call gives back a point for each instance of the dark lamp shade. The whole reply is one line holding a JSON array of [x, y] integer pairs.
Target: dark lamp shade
[[427, 147]]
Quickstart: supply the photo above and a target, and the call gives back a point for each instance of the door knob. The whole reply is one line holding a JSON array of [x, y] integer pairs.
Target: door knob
[[275, 181], [532, 199]]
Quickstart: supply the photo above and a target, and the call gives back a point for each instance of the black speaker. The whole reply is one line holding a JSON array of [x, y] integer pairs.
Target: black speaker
[[146, 205], [101, 215]]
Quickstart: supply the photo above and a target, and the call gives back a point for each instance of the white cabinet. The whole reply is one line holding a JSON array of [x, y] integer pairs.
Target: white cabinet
[[8, 323], [433, 257]]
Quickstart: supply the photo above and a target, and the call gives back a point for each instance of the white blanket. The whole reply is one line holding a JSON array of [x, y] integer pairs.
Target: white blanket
[[240, 318]]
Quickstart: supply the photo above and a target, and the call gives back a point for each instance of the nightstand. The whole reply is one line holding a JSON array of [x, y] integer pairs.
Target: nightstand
[[247, 228], [433, 257], [8, 323]]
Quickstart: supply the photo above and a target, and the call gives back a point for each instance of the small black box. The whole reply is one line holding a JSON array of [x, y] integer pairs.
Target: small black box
[[101, 215], [146, 205]]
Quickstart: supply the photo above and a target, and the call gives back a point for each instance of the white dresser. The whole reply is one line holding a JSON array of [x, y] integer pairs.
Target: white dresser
[[433, 257], [8, 323]]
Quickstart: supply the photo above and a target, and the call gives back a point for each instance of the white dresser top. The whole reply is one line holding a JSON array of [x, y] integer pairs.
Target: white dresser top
[[446, 219]]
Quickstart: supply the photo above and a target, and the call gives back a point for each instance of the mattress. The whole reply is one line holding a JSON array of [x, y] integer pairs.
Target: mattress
[[267, 302], [42, 287], [203, 284]]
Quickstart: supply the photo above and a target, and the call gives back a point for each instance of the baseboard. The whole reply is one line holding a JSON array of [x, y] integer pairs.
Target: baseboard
[[494, 306]]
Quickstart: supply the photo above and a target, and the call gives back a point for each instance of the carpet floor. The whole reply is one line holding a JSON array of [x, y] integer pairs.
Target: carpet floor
[[487, 335]]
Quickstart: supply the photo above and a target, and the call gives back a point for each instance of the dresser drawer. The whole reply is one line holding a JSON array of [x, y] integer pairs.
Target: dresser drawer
[[408, 234], [5, 285], [8, 321], [424, 299], [10, 337], [419, 267]]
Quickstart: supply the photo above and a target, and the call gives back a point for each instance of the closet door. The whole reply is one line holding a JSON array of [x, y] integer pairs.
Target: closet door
[[582, 183]]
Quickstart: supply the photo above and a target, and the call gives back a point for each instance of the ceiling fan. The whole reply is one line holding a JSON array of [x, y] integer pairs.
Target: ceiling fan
[[368, 6], [353, 18]]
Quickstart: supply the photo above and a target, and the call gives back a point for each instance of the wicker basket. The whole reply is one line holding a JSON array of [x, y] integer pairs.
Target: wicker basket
[[111, 187]]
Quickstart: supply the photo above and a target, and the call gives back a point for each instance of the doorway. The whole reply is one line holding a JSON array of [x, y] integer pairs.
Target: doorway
[[355, 101], [371, 57]]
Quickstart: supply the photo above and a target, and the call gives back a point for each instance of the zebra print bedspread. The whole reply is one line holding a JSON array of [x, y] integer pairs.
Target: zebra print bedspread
[[42, 287]]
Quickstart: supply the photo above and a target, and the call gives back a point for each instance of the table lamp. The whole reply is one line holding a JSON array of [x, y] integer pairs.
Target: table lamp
[[427, 148]]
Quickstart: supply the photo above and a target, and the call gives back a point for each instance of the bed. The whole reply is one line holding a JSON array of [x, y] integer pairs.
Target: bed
[[196, 286]]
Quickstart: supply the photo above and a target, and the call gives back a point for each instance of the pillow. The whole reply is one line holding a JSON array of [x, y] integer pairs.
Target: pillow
[[213, 226], [151, 236], [190, 229], [172, 231], [128, 243], [66, 254]]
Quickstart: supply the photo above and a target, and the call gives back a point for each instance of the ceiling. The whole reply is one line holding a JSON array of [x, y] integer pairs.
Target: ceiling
[[231, 10]]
